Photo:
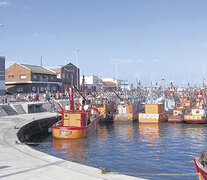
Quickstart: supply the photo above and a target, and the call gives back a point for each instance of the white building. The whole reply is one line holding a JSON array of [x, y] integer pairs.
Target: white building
[[92, 82], [2, 75]]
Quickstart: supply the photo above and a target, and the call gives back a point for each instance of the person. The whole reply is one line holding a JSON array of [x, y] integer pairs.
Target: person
[[6, 97], [52, 106], [37, 97], [2, 100]]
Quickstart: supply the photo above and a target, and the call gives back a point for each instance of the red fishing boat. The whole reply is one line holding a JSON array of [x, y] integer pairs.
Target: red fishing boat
[[177, 116], [201, 166], [76, 122]]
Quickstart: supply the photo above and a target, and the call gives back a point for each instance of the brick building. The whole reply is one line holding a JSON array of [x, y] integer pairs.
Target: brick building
[[2, 75], [24, 78], [68, 75]]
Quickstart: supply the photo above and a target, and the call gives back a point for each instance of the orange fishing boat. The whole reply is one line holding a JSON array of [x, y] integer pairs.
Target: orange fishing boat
[[106, 111], [154, 113], [126, 112], [76, 123]]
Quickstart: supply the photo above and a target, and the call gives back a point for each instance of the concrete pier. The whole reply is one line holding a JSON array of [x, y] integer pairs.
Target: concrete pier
[[19, 161]]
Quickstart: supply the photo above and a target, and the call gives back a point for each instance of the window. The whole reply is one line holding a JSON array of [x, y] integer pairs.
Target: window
[[67, 75], [42, 89], [58, 76], [23, 76], [52, 77], [10, 76], [63, 76], [19, 89], [54, 88], [34, 89], [34, 76]]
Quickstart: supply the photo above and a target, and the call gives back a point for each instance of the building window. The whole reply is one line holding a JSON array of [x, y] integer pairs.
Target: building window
[[34, 89], [67, 75], [19, 89], [52, 77], [58, 76], [54, 88], [10, 76], [23, 76], [45, 76], [63, 75], [34, 76], [42, 89]]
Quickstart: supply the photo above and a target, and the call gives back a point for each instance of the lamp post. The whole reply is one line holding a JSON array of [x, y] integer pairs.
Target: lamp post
[[76, 52], [116, 65]]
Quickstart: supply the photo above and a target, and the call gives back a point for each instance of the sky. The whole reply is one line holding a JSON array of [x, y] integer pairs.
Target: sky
[[149, 40]]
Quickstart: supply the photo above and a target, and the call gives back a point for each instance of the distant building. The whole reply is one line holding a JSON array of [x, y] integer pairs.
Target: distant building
[[92, 83], [24, 78], [69, 75], [2, 75], [111, 84]]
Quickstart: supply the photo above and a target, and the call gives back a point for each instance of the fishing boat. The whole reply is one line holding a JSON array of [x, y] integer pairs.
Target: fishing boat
[[177, 116], [76, 123], [197, 115], [106, 111], [201, 166], [126, 112], [154, 113]]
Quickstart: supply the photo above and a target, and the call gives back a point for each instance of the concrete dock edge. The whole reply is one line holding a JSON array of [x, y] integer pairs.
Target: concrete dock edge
[[19, 161]]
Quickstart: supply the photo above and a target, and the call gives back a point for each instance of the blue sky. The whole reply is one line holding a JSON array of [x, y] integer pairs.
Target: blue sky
[[157, 38]]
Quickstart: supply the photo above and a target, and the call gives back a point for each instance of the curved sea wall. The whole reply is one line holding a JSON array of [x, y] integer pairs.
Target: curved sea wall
[[33, 130], [19, 161]]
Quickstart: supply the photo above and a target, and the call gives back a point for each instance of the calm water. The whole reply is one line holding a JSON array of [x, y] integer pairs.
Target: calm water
[[153, 151]]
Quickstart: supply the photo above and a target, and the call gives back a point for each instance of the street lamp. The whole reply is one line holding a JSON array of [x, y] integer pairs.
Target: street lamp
[[116, 65], [76, 52]]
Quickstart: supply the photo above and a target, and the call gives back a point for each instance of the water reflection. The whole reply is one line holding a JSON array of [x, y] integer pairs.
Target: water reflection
[[134, 148], [71, 149], [149, 133]]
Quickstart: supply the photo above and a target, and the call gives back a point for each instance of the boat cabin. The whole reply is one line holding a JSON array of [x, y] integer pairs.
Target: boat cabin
[[74, 119], [177, 112], [198, 112]]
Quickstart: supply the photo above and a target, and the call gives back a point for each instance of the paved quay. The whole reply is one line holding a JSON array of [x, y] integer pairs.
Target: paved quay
[[19, 161]]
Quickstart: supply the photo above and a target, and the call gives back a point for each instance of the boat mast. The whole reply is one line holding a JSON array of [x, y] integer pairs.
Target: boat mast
[[71, 99]]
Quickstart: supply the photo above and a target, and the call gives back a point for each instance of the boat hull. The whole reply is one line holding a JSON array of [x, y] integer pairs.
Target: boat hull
[[152, 118], [128, 117], [67, 132], [175, 119], [200, 169], [195, 121]]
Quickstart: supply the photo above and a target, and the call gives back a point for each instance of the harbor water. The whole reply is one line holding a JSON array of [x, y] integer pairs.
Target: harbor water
[[152, 151]]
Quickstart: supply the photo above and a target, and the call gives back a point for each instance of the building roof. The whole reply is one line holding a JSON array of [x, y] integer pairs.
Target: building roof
[[109, 84], [39, 69]]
